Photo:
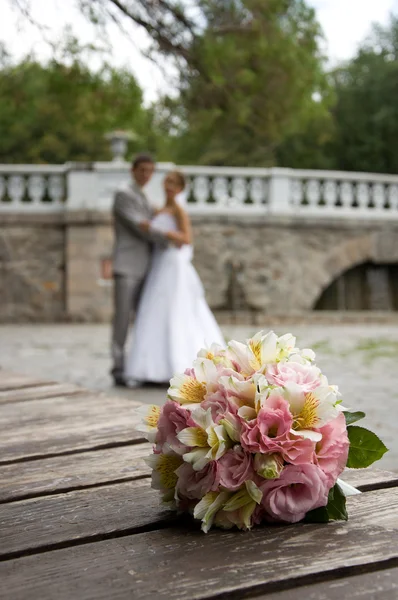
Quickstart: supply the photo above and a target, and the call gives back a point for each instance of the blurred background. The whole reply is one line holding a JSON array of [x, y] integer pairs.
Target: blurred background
[[282, 114]]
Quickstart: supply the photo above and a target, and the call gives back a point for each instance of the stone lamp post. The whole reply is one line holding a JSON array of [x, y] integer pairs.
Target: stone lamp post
[[118, 140]]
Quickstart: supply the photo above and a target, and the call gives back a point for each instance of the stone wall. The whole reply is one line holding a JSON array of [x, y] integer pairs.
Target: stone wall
[[58, 267], [32, 271]]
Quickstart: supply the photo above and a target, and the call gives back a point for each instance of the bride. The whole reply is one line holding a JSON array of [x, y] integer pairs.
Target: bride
[[173, 320]]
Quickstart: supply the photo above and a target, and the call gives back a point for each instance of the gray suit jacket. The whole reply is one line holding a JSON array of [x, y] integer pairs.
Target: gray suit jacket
[[133, 247]]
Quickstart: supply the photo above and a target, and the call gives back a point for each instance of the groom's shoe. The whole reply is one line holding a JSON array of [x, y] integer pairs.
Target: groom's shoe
[[119, 382]]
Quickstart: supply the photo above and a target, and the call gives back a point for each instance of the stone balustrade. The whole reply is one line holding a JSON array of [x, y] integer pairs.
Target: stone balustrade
[[210, 190]]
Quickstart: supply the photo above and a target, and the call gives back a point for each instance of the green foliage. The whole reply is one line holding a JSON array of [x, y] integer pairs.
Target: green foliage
[[351, 418], [60, 111], [335, 510], [365, 448], [249, 81], [366, 111]]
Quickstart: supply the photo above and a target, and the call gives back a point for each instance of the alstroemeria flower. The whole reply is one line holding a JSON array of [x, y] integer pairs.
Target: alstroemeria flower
[[164, 477], [150, 417], [207, 508], [191, 389], [311, 410], [217, 354], [240, 507], [208, 440], [241, 392]]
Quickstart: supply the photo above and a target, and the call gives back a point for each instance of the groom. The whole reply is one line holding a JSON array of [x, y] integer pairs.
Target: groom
[[131, 257]]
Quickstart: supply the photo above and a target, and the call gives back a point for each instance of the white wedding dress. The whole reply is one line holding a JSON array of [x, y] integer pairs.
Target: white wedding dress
[[173, 320]]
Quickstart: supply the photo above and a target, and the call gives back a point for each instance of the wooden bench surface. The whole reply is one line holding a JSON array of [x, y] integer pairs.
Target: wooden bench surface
[[79, 520]]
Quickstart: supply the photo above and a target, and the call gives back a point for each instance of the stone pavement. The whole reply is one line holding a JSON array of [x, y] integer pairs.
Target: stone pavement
[[361, 359]]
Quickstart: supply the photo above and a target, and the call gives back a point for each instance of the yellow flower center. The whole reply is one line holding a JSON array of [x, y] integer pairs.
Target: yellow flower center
[[193, 390], [255, 347], [308, 416], [210, 356], [166, 467], [152, 417]]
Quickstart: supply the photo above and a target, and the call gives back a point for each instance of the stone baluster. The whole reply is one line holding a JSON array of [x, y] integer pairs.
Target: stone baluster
[[16, 189], [346, 194], [378, 196], [3, 188], [258, 190], [393, 196], [330, 194], [239, 190], [220, 191], [313, 193], [201, 189], [36, 189], [363, 195]]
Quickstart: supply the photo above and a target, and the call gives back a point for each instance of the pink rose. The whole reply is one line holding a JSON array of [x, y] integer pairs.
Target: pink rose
[[331, 452], [298, 490], [306, 376], [173, 419], [271, 426], [236, 467], [297, 450], [219, 405], [196, 484]]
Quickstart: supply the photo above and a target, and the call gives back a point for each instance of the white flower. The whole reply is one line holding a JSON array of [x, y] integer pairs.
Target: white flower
[[189, 390], [209, 440], [150, 417], [164, 475], [208, 507], [311, 410]]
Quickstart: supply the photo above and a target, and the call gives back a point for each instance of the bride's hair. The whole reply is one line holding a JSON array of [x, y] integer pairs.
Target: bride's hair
[[180, 178]]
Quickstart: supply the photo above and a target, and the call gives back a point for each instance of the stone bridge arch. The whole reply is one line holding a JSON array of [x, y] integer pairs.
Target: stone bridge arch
[[379, 247]]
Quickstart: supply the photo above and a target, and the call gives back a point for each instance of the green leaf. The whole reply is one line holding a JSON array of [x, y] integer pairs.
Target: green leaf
[[335, 510], [336, 506], [318, 515], [353, 417], [365, 448]]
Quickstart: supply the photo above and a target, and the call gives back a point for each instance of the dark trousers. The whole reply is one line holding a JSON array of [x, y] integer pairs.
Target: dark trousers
[[126, 295]]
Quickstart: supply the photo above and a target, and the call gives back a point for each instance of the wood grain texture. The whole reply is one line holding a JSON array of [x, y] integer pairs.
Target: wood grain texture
[[370, 479], [382, 585], [62, 473], [58, 425], [82, 515], [13, 381], [39, 392], [182, 563]]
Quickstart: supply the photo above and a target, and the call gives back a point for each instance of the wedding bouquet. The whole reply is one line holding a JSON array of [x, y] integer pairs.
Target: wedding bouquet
[[254, 432]]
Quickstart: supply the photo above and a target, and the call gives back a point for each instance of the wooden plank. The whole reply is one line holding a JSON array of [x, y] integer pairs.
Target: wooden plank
[[39, 392], [370, 479], [382, 585], [183, 563], [11, 381], [28, 516], [62, 473], [58, 425], [82, 515]]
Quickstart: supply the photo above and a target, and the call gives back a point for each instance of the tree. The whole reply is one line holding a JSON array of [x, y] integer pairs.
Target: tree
[[366, 111], [60, 111], [247, 71], [249, 82]]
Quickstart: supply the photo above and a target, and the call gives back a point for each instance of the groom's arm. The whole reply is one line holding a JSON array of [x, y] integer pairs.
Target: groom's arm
[[124, 210]]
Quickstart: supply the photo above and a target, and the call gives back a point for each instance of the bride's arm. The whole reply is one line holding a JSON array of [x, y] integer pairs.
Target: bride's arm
[[184, 233]]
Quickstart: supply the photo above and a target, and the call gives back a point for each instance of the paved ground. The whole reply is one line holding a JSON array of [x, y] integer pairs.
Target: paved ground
[[361, 359]]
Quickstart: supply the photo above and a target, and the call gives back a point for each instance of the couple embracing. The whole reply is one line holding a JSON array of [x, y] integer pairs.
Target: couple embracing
[[154, 276]]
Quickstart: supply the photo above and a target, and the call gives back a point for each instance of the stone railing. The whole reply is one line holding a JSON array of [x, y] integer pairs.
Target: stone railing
[[210, 190], [32, 188]]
